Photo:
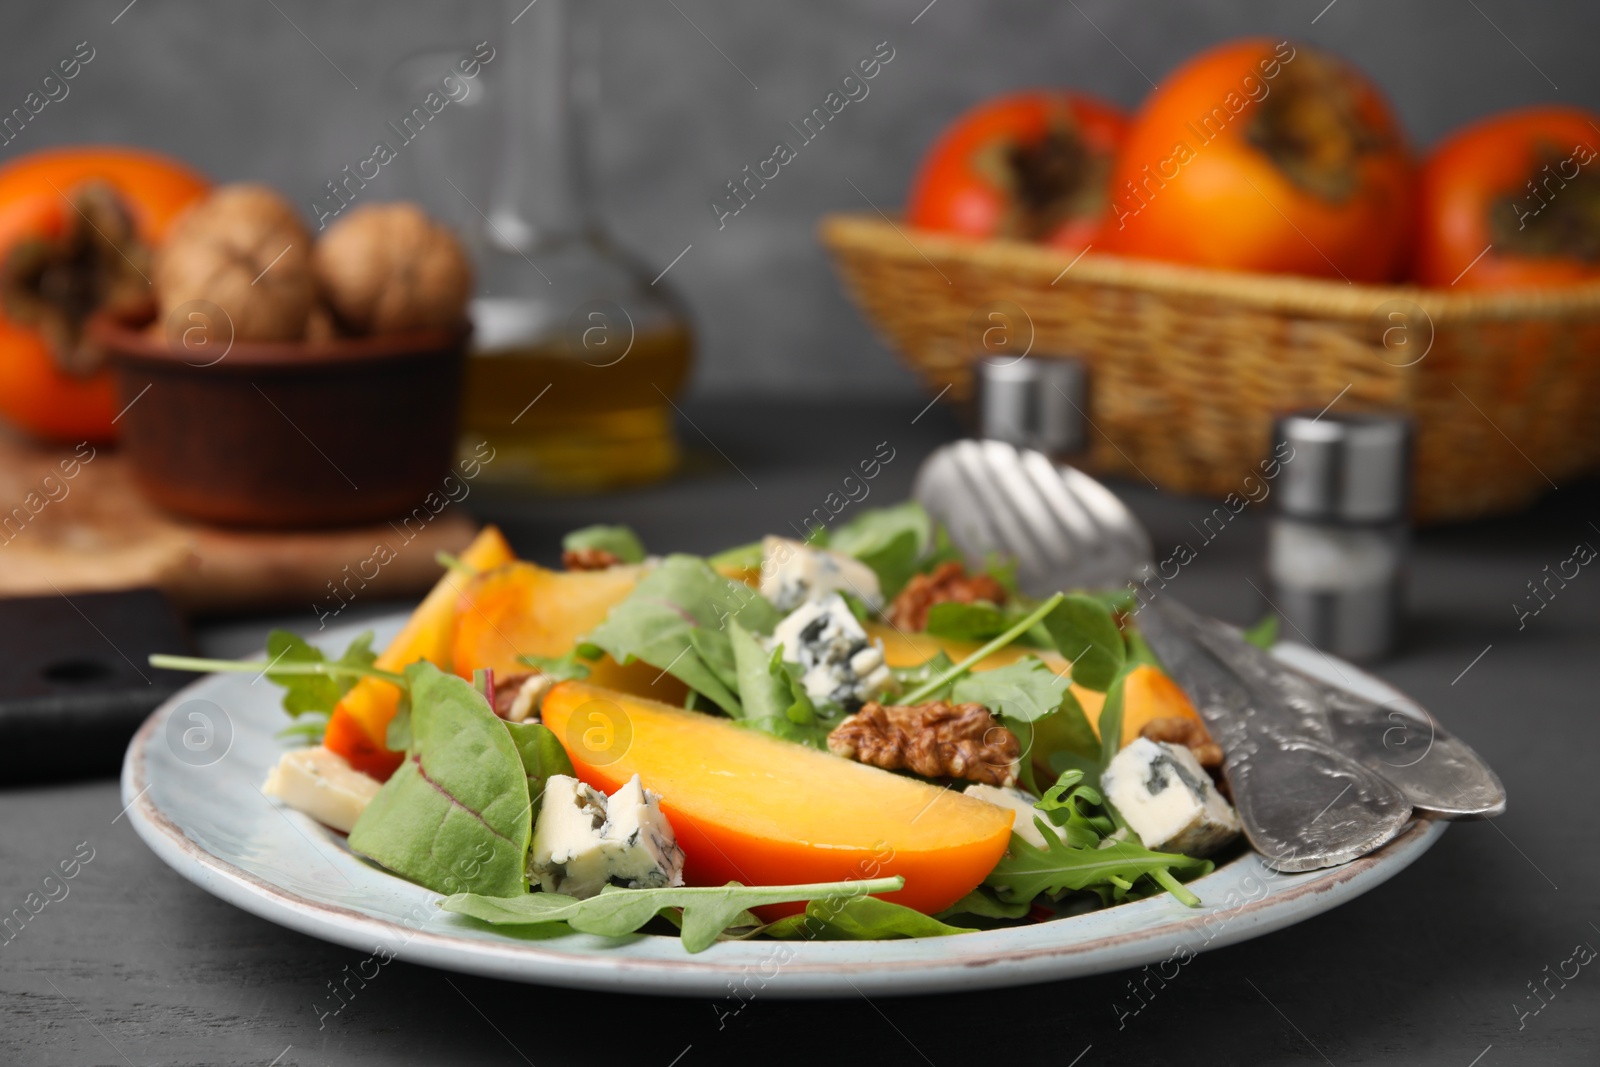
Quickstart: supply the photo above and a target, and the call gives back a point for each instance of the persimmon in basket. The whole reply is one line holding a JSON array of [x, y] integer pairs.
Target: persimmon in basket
[[1030, 166], [1513, 201], [1266, 156], [77, 226]]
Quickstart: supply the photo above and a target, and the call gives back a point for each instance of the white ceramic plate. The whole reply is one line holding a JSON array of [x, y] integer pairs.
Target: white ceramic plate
[[192, 776]]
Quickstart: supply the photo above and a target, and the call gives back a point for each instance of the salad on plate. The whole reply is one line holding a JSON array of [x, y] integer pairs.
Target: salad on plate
[[855, 736]]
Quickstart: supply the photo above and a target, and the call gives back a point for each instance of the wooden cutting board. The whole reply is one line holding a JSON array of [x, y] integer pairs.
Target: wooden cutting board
[[75, 522]]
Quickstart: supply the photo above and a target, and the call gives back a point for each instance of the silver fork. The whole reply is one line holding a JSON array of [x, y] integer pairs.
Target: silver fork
[[1312, 767]]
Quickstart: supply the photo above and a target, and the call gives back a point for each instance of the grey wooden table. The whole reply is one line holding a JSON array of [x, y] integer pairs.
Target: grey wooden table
[[136, 966]]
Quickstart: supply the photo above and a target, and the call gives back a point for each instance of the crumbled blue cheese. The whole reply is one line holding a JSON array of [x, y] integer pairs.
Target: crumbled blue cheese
[[793, 573], [1014, 800], [841, 665], [1167, 798], [583, 841]]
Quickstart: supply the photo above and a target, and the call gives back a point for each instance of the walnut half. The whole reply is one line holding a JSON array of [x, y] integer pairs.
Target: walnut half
[[935, 740], [1191, 733], [948, 581], [517, 697], [589, 559]]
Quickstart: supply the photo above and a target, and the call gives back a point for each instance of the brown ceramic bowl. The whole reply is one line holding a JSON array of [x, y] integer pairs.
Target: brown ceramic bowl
[[287, 435]]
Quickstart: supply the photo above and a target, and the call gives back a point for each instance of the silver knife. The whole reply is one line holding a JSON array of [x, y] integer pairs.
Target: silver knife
[[1437, 771], [1304, 803]]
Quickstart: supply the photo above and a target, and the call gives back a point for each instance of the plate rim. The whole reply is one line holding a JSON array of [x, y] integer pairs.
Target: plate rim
[[704, 974]]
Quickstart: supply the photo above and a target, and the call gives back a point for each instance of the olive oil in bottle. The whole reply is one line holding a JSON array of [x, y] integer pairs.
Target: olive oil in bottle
[[569, 423], [577, 350]]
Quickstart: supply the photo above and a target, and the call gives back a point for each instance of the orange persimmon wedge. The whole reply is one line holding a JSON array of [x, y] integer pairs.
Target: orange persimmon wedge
[[760, 810], [523, 609], [359, 725], [1147, 693]]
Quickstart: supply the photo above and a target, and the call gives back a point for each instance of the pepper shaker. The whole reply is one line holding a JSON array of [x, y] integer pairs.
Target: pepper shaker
[[1033, 403], [1337, 544]]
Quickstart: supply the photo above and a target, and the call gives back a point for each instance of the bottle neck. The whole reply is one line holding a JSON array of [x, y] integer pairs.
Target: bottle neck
[[541, 189]]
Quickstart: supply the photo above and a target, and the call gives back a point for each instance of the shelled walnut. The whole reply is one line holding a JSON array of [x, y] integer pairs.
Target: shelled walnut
[[244, 250], [389, 268], [1191, 733], [517, 696], [936, 740], [948, 581], [589, 559]]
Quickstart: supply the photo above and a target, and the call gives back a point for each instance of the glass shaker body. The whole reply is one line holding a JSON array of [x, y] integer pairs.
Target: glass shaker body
[[1337, 545]]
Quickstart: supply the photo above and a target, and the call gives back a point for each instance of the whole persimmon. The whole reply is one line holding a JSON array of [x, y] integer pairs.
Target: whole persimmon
[[77, 226], [1267, 156], [1513, 201], [1030, 166]]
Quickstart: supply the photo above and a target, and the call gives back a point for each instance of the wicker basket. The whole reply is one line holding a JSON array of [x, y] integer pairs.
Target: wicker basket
[[1189, 366]]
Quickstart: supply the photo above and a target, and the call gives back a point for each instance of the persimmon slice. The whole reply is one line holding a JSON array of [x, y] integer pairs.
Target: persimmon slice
[[359, 725], [523, 609], [760, 810]]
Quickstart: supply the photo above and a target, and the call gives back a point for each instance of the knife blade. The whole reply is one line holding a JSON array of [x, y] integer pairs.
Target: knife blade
[[1304, 803], [1439, 773]]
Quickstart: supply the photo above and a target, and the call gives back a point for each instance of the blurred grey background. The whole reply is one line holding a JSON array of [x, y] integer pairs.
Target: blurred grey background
[[290, 91]]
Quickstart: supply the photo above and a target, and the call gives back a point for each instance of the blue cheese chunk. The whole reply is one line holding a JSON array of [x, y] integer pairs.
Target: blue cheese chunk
[[841, 664], [584, 841], [793, 573], [1017, 801], [644, 852], [1168, 799]]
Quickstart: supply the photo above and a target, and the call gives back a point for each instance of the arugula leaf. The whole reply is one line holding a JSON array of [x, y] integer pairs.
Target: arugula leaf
[[1026, 871], [676, 616], [1084, 631], [1117, 601], [944, 550], [620, 541], [986, 905], [1140, 654], [858, 607], [304, 693], [977, 621], [456, 815], [740, 558], [562, 668], [892, 541], [542, 755], [1110, 726], [707, 910], [774, 700], [715, 649], [940, 681], [1264, 634], [1064, 738], [860, 919], [1063, 804], [1025, 691]]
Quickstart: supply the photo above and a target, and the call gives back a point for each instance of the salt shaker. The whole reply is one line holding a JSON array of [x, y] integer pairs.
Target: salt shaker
[[1033, 403], [1337, 544]]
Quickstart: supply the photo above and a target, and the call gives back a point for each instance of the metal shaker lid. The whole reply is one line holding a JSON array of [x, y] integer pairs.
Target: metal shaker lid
[[1344, 468], [1033, 403]]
